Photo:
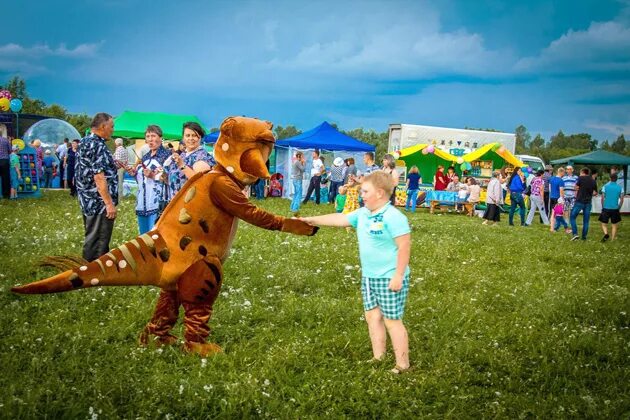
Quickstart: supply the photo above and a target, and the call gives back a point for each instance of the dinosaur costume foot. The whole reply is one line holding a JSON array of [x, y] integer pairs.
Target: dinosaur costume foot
[[163, 320], [202, 349]]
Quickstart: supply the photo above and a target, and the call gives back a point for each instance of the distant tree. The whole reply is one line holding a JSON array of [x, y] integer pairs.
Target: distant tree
[[17, 86], [214, 129], [286, 132], [620, 145], [522, 139], [379, 140], [605, 146], [537, 146], [80, 121]]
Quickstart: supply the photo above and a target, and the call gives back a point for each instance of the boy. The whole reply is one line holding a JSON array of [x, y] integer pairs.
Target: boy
[[612, 199], [384, 247]]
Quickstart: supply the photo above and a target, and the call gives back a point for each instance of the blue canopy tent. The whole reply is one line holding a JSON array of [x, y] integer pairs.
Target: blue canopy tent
[[211, 138], [328, 140]]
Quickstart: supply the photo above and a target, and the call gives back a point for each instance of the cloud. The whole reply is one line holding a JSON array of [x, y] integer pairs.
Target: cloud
[[401, 51], [614, 128], [43, 50], [603, 47]]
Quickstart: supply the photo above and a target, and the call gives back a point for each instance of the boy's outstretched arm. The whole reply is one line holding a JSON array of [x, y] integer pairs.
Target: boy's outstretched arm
[[403, 242], [332, 219]]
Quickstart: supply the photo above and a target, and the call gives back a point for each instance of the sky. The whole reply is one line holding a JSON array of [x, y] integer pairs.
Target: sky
[[548, 65]]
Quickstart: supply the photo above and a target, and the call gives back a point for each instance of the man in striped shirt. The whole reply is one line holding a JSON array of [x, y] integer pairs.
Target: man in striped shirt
[[569, 190], [121, 156]]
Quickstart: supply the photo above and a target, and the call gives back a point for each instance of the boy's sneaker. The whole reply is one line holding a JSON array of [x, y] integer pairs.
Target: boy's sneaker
[[575, 238], [605, 238]]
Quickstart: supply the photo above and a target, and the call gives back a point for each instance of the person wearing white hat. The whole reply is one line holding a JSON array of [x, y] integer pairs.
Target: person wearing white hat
[[336, 178]]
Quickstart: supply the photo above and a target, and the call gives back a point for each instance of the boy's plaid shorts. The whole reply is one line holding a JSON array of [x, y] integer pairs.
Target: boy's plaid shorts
[[376, 293]]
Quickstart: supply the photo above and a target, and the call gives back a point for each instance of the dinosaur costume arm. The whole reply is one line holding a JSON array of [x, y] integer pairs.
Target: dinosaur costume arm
[[227, 195]]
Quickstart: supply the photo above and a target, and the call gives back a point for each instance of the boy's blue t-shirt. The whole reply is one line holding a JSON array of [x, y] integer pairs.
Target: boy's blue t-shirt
[[376, 233], [612, 191], [555, 183], [414, 181], [48, 161]]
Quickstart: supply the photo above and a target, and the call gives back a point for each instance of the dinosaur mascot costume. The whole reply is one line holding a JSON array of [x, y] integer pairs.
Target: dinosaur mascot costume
[[184, 253]]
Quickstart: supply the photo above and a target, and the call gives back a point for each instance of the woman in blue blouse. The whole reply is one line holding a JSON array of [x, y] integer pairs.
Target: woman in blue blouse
[[516, 189], [195, 159]]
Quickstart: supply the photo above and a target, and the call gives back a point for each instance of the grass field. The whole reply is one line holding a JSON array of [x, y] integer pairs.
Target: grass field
[[503, 322]]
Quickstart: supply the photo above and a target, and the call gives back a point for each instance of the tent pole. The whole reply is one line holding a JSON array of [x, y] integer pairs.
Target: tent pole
[[625, 179]]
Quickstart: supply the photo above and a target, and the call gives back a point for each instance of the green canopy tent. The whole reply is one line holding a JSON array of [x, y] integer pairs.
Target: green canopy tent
[[599, 157], [132, 124]]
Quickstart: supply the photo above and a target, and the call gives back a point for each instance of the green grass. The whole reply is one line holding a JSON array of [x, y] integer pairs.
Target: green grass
[[503, 322]]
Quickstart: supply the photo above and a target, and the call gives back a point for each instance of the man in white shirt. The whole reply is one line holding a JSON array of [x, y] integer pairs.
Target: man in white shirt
[[316, 176]]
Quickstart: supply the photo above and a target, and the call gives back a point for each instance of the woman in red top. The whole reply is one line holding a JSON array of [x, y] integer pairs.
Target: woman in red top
[[440, 181]]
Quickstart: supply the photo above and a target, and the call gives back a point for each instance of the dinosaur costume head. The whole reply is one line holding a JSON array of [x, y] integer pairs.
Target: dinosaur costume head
[[243, 148]]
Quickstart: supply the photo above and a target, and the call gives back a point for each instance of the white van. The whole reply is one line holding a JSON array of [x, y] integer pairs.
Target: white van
[[533, 162]]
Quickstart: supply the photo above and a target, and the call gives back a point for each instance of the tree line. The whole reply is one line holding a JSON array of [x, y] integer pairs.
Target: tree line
[[559, 145]]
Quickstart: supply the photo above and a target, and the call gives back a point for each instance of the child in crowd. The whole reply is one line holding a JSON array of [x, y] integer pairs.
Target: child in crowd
[[474, 194], [558, 217], [352, 195], [14, 163], [340, 200], [413, 185], [384, 248]]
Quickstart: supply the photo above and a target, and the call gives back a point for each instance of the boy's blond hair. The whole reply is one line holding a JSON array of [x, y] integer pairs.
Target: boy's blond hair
[[381, 181]]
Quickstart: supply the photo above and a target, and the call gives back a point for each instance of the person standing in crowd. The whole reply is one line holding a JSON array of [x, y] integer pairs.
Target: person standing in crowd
[[414, 179], [440, 182], [5, 171], [370, 166], [556, 188], [49, 167], [121, 156], [350, 170], [70, 164], [389, 167], [474, 195], [297, 175], [450, 173], [516, 189], [39, 157], [316, 177], [62, 153], [194, 160], [16, 175], [494, 199], [97, 186], [569, 180], [536, 198], [546, 177], [336, 178], [148, 173], [585, 188], [612, 200]]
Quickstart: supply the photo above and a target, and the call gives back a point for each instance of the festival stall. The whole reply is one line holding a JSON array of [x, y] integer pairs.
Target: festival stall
[[479, 163], [328, 140]]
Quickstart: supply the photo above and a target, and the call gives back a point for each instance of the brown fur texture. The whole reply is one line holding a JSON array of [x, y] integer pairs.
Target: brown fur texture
[[183, 254]]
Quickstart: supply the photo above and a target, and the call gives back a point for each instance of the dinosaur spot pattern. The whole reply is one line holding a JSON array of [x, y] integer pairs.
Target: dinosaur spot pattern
[[204, 225], [202, 250], [184, 217], [165, 254], [190, 194], [183, 243]]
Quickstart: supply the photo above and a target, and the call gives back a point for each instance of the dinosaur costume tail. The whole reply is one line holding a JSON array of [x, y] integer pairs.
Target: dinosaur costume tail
[[137, 262]]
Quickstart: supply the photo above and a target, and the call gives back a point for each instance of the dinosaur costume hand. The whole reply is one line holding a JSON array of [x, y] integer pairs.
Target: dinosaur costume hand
[[298, 227]]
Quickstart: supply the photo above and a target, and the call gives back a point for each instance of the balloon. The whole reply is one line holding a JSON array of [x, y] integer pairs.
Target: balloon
[[460, 160], [5, 94], [425, 151], [16, 105], [431, 148], [27, 180], [396, 155], [468, 166], [501, 150], [463, 166], [19, 143], [34, 187], [4, 104]]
